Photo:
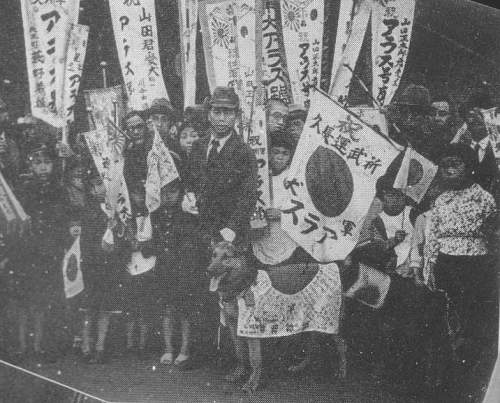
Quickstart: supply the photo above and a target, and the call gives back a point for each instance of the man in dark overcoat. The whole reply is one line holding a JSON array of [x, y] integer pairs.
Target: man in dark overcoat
[[222, 174]]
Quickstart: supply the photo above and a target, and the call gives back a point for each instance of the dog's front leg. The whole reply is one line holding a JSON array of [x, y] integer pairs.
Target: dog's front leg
[[342, 351], [255, 356], [241, 354]]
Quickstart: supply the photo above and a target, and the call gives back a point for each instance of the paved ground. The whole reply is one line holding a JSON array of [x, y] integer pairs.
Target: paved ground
[[130, 380]]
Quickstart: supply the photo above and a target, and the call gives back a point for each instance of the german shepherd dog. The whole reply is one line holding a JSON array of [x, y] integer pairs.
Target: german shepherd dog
[[231, 276]]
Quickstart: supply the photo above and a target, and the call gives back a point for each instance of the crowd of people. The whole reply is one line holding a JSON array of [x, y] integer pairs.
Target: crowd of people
[[445, 243]]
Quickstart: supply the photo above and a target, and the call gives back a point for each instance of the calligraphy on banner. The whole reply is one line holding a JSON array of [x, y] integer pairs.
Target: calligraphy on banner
[[257, 140], [332, 179], [392, 23], [46, 35], [104, 105], [74, 68], [341, 78], [230, 51], [275, 314], [492, 121], [217, 18], [188, 25], [161, 171], [136, 37], [373, 117], [275, 76], [302, 22], [106, 148]]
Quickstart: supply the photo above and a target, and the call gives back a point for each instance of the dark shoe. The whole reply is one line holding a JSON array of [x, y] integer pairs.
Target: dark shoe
[[98, 358], [46, 358], [186, 365], [86, 357]]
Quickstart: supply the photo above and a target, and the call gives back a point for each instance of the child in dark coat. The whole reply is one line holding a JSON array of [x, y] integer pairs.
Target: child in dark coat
[[38, 285], [137, 248]]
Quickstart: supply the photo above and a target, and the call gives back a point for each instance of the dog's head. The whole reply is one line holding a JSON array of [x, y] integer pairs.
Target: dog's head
[[229, 270]]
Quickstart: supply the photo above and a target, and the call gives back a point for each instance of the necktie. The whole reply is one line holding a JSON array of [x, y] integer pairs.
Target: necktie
[[476, 151], [213, 153]]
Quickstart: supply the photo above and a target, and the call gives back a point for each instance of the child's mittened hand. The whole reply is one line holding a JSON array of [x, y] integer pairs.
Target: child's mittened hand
[[107, 247], [75, 231]]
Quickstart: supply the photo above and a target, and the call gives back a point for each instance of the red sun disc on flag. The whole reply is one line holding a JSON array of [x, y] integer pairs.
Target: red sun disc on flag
[[329, 182], [415, 172], [72, 268]]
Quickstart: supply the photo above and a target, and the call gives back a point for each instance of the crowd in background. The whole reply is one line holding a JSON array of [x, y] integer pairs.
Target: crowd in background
[[157, 285]]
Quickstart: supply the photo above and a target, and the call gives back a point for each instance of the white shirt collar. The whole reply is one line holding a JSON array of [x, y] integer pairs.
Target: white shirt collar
[[483, 144], [221, 141]]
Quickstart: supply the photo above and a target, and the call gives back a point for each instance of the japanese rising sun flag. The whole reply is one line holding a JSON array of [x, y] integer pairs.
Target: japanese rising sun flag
[[72, 272], [415, 175], [332, 178]]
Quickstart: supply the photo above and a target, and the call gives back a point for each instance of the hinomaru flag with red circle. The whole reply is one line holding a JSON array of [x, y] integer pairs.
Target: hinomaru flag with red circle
[[332, 178]]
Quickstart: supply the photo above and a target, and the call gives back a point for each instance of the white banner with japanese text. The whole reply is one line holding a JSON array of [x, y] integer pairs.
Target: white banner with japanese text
[[275, 77], [344, 27], [302, 22], [341, 78], [106, 147], [217, 19], [373, 117], [161, 171], [104, 105], [74, 67], [229, 32], [188, 25], [271, 313], [392, 24], [257, 140], [492, 121], [46, 34], [332, 179], [136, 37]]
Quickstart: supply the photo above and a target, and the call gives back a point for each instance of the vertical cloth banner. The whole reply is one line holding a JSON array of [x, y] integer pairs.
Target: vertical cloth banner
[[344, 27], [217, 19], [392, 24], [72, 271], [270, 46], [136, 37], [106, 150], [331, 183], [373, 117], [341, 78], [13, 218], [46, 35], [104, 105], [492, 122], [415, 175], [74, 67], [229, 33], [258, 143], [188, 25], [161, 171], [302, 22]]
